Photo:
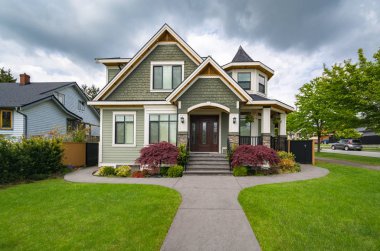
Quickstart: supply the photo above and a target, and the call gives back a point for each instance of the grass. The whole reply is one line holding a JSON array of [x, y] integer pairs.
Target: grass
[[57, 215], [353, 158], [338, 212]]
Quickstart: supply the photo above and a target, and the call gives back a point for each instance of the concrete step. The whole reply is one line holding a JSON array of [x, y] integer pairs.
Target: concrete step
[[196, 167], [209, 162], [207, 155], [208, 172]]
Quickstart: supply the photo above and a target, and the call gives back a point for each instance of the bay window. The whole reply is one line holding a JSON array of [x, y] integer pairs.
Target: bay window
[[261, 84], [162, 127]]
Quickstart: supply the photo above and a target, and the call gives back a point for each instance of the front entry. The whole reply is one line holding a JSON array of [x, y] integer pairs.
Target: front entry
[[204, 133]]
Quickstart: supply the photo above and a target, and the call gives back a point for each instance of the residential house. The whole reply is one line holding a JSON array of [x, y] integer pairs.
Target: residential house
[[167, 92], [37, 108]]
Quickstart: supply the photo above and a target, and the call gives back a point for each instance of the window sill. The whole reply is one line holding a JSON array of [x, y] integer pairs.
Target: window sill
[[6, 129], [123, 145], [161, 90]]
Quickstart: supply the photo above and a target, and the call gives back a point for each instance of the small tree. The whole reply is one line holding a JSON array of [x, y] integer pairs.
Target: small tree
[[154, 155], [247, 155], [90, 91], [6, 76]]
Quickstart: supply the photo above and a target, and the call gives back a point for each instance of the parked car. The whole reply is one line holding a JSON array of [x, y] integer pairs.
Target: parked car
[[348, 144]]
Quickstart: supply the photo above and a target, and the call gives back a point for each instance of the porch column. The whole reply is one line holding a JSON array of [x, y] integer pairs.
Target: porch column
[[265, 126], [283, 124], [182, 129], [233, 128]]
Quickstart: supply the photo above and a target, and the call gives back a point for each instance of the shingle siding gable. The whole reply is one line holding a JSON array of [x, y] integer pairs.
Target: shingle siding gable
[[137, 85]]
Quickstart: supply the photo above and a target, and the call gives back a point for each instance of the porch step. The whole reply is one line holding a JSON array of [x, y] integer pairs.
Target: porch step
[[207, 164], [208, 167], [207, 172]]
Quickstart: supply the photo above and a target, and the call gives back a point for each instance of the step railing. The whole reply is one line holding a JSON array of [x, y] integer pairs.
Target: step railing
[[250, 140]]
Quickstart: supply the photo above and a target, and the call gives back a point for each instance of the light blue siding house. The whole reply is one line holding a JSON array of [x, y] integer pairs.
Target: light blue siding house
[[36, 109]]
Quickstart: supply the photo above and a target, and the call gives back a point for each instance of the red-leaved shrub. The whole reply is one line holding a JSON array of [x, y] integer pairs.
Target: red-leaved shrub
[[247, 155], [154, 155], [138, 174]]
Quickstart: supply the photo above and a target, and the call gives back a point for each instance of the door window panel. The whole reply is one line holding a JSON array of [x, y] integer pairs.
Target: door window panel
[[204, 132]]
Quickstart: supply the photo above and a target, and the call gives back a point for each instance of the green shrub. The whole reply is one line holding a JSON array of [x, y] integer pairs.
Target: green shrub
[[106, 171], [287, 163], [240, 171], [183, 155], [123, 171], [175, 171], [286, 155], [164, 170]]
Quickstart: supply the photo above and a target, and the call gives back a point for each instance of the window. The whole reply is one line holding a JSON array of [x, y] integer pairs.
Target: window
[[245, 128], [124, 128], [162, 127], [261, 84], [6, 119], [244, 80], [166, 77], [80, 105], [60, 97], [72, 125]]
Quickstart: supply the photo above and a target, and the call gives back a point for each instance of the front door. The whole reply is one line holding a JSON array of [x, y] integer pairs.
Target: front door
[[204, 133]]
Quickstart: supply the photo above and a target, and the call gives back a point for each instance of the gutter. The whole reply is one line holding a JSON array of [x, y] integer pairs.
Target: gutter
[[26, 121]]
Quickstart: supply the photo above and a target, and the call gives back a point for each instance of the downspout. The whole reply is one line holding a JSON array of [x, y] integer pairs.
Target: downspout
[[26, 121]]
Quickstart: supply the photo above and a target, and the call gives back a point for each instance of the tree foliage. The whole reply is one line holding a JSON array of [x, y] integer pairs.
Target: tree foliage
[[6, 76], [90, 91]]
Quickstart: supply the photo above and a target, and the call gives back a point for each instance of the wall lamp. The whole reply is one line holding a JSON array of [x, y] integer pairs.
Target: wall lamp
[[234, 120], [182, 120]]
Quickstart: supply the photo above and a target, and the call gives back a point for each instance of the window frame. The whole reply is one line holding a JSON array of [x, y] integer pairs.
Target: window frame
[[250, 80], [264, 84], [1, 120], [241, 117], [114, 114], [80, 105], [158, 122], [165, 63], [58, 94]]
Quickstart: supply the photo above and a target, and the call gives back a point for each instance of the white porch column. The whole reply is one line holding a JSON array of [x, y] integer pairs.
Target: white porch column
[[265, 121], [283, 124]]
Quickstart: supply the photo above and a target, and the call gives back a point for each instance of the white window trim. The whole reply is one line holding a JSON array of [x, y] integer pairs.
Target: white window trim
[[134, 128], [250, 79], [160, 63]]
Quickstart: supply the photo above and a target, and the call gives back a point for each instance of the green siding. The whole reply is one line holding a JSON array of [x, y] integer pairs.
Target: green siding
[[112, 73], [121, 155], [137, 85], [208, 89]]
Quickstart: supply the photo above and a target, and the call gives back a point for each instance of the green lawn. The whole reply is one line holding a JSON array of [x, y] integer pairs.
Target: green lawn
[[58, 215], [359, 159], [338, 212]]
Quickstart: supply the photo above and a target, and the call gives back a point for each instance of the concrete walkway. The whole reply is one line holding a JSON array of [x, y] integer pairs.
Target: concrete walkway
[[210, 216]]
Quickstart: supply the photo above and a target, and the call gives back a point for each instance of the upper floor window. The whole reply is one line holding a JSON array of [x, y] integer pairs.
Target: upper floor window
[[166, 76], [244, 80], [60, 97], [81, 105], [6, 119], [261, 84]]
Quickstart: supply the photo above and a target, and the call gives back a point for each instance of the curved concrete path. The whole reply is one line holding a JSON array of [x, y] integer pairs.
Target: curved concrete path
[[210, 216]]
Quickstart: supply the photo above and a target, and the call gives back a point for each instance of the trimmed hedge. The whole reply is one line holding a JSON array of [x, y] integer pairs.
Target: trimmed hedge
[[29, 159], [175, 171]]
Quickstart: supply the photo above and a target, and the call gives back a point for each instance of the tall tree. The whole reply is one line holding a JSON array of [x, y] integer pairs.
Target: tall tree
[[6, 76], [91, 91]]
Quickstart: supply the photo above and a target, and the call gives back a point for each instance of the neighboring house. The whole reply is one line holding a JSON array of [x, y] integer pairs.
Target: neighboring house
[[36, 109], [167, 92]]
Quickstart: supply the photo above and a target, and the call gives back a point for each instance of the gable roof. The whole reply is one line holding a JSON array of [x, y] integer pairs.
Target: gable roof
[[241, 56], [165, 34], [209, 68]]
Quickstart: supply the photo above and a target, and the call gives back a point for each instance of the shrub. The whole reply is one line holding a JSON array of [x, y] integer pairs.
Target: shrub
[[286, 155], [183, 155], [232, 151], [164, 170], [138, 174], [287, 163], [154, 155], [240, 171], [106, 171], [247, 155], [123, 171], [175, 171]]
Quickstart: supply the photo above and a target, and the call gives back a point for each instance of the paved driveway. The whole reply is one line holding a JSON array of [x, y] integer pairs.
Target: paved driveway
[[210, 216], [357, 153]]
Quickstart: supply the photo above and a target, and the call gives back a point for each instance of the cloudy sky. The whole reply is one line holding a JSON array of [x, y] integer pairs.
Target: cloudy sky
[[58, 40]]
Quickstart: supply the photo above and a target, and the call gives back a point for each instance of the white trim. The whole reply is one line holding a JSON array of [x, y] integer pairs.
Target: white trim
[[161, 63], [112, 60], [272, 102], [257, 63], [225, 108], [101, 138], [123, 103], [181, 88], [134, 128], [167, 109], [146, 47]]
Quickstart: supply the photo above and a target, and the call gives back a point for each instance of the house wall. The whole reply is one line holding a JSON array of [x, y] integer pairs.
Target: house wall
[[208, 90], [137, 85], [44, 117], [111, 72], [17, 130], [116, 154], [71, 103]]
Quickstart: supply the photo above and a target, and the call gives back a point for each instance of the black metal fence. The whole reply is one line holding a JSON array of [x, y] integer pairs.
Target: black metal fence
[[250, 140], [279, 143]]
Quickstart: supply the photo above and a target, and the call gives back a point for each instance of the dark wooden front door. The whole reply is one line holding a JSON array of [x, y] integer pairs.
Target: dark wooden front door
[[204, 133]]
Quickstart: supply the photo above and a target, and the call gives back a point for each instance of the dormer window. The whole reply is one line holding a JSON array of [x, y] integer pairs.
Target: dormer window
[[166, 76], [244, 80], [261, 84], [60, 97]]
